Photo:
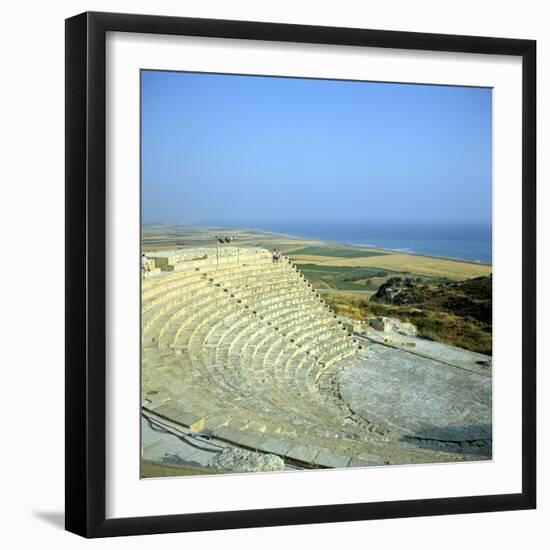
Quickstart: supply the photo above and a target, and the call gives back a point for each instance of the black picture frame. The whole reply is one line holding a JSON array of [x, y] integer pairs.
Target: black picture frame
[[86, 274]]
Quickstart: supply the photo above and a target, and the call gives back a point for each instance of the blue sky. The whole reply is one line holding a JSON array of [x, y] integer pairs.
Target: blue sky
[[231, 149]]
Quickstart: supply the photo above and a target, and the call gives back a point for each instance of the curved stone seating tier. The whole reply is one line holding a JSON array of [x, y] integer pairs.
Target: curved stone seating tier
[[240, 346], [186, 308], [244, 283], [151, 312], [165, 292]]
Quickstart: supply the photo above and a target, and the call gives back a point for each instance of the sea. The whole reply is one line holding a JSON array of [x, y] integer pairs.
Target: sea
[[459, 241]]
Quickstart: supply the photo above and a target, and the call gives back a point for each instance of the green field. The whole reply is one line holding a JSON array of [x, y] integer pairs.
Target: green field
[[341, 277], [336, 252], [351, 278]]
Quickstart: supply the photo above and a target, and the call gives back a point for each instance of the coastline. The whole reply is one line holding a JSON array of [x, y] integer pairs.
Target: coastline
[[299, 249], [359, 246]]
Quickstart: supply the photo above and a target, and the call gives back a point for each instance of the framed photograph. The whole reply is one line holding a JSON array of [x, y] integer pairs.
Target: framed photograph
[[300, 274]]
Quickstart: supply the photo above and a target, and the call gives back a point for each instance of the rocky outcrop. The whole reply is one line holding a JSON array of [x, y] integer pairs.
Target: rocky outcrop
[[239, 460], [399, 291], [387, 324]]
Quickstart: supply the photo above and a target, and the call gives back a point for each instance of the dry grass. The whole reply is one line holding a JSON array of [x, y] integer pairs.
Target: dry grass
[[407, 263], [459, 315]]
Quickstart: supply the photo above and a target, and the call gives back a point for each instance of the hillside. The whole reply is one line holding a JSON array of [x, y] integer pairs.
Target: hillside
[[455, 313]]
